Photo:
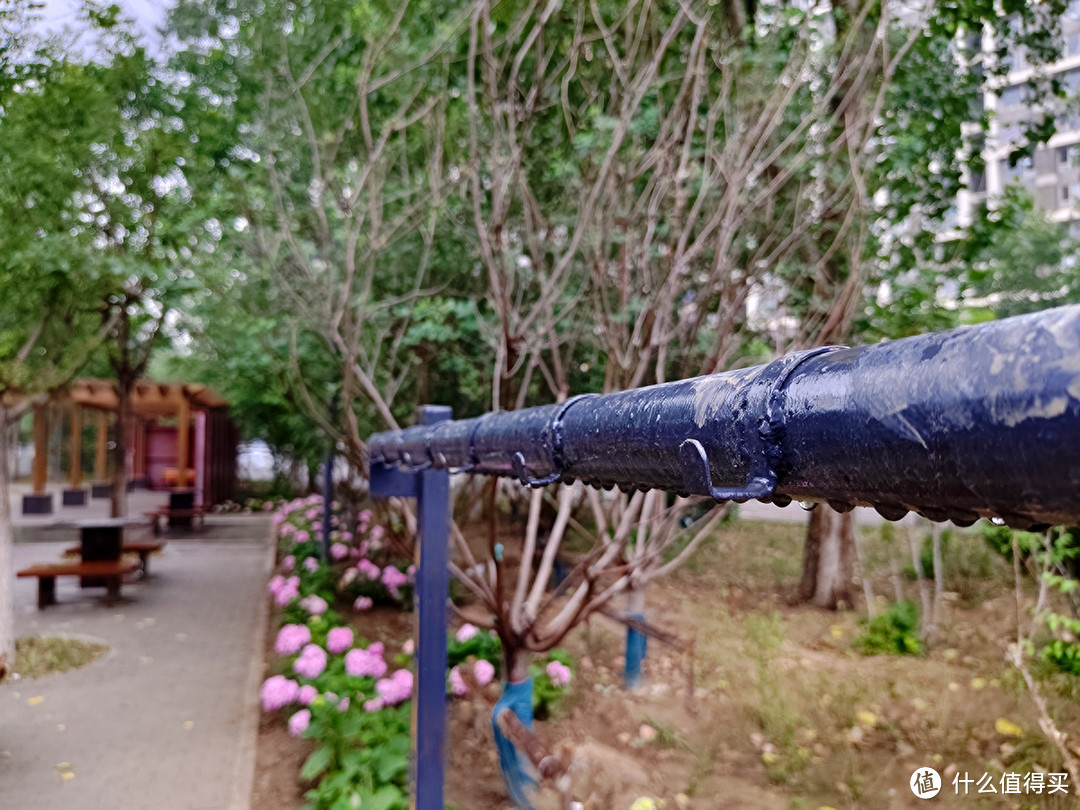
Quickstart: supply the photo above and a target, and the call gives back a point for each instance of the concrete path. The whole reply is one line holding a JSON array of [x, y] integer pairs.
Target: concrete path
[[167, 720]]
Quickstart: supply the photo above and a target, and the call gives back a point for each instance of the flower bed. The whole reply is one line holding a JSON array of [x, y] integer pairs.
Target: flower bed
[[350, 696]]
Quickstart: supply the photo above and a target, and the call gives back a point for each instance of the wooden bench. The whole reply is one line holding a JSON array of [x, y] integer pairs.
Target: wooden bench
[[143, 548], [111, 571], [169, 514]]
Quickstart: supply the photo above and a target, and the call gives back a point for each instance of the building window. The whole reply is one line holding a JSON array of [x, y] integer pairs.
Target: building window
[[1064, 194], [1063, 155]]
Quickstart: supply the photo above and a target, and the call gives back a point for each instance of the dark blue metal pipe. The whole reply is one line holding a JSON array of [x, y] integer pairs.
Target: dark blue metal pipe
[[982, 421]]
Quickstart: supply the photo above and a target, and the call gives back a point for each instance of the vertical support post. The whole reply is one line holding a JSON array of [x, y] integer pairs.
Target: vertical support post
[[183, 429], [75, 467], [39, 502], [328, 486], [41, 449], [101, 438], [138, 468], [328, 497], [432, 591]]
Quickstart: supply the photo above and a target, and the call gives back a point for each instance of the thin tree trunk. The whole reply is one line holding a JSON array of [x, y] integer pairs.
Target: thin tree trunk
[[868, 588], [827, 559], [939, 577], [7, 564], [894, 569], [920, 575]]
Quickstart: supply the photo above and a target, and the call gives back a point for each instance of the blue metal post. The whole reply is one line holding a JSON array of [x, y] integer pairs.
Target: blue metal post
[[328, 496], [328, 488], [432, 591]]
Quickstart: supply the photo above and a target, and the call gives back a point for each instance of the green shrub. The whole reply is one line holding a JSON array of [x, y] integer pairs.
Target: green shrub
[[892, 633]]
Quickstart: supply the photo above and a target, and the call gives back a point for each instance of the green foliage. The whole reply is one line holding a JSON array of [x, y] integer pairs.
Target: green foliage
[[1028, 266], [892, 633], [361, 758], [481, 644], [547, 694]]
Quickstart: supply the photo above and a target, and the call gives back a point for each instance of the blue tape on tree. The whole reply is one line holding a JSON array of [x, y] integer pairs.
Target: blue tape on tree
[[519, 784], [636, 645]]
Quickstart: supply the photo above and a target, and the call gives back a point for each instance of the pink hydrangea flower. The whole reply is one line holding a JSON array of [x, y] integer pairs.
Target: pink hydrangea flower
[[362, 603], [377, 533], [287, 530], [558, 672], [299, 722], [393, 578], [276, 583], [373, 705], [396, 688], [312, 514], [349, 577], [278, 691], [302, 536], [484, 671], [408, 646], [287, 591], [314, 604], [289, 563], [339, 640], [311, 564], [465, 632], [343, 705], [457, 683], [311, 663], [346, 536], [306, 695], [365, 663], [410, 572], [369, 569], [268, 506], [339, 551], [291, 638]]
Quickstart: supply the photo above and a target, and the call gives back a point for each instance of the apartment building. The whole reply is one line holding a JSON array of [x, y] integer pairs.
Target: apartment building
[[1052, 174]]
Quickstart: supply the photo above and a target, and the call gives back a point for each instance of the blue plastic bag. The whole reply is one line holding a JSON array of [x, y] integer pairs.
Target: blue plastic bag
[[519, 783]]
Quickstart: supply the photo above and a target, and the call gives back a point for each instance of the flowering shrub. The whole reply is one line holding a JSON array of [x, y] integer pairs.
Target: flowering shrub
[[336, 688], [344, 693], [551, 683]]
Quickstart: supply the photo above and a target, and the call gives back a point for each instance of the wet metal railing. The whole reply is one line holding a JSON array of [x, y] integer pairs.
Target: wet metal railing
[[982, 421]]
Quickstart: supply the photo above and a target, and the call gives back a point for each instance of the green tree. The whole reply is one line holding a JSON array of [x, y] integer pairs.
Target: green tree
[[1028, 265], [322, 128], [50, 322]]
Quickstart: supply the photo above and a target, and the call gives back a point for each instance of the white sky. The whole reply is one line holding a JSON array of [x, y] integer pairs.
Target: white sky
[[148, 15]]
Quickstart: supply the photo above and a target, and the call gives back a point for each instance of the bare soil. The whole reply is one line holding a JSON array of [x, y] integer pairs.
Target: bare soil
[[783, 714]]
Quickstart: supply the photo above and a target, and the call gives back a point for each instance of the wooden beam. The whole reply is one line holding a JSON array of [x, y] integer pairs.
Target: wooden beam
[[183, 429], [41, 448], [75, 467], [101, 451]]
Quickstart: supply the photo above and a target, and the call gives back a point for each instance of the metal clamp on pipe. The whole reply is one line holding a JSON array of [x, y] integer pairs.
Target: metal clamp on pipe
[[761, 483]]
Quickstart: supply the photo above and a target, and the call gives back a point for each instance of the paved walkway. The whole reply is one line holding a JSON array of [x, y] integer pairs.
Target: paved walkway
[[167, 719]]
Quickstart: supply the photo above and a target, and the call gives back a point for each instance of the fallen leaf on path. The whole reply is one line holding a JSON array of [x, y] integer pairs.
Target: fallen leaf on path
[[1008, 728]]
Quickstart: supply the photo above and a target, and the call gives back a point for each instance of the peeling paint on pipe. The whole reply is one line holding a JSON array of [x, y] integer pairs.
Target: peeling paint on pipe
[[982, 421]]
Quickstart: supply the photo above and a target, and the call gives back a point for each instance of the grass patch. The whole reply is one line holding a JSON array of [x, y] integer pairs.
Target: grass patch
[[36, 656]]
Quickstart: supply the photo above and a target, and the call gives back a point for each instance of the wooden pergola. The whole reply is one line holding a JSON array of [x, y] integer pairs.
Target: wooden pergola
[[150, 401]]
